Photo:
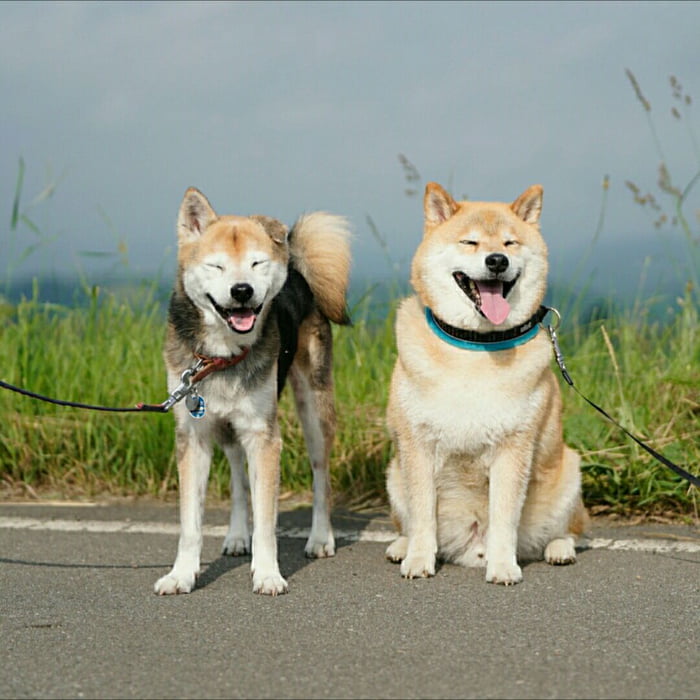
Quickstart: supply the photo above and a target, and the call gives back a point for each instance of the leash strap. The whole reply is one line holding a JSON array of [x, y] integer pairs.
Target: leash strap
[[203, 367], [139, 408], [567, 377]]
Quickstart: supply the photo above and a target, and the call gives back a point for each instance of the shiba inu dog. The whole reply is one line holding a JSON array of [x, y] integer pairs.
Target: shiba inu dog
[[252, 303], [481, 476]]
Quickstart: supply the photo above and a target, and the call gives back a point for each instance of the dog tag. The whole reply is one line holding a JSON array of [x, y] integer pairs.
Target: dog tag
[[195, 405]]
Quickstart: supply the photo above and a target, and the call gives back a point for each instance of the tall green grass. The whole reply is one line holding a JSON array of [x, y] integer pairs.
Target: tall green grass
[[647, 376], [109, 352], [105, 352]]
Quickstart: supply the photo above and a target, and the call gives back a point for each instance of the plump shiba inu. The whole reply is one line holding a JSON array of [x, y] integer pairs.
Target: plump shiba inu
[[252, 304], [481, 476]]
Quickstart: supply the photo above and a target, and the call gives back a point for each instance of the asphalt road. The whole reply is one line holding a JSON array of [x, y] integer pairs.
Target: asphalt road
[[79, 618]]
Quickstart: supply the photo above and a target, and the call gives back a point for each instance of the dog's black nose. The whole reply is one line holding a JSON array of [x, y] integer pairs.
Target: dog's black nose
[[496, 262], [241, 292]]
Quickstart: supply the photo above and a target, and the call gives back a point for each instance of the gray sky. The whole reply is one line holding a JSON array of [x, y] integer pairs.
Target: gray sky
[[280, 108]]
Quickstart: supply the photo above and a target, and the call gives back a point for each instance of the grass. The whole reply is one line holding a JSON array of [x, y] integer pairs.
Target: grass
[[647, 376], [109, 352]]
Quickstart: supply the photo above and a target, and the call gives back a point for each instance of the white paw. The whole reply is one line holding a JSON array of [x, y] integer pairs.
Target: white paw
[[396, 551], [269, 585], [560, 551], [320, 549], [235, 546], [505, 573], [174, 583], [418, 566]]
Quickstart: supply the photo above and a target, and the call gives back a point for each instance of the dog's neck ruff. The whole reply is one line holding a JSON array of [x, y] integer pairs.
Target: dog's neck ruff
[[214, 364], [491, 341]]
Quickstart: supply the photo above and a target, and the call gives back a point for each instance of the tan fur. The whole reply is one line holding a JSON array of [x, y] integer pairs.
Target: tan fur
[[481, 475], [232, 236], [218, 255], [320, 251]]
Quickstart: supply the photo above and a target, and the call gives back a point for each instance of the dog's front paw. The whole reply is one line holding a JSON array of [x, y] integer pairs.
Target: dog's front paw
[[418, 566], [269, 585], [560, 551], [396, 551], [320, 548], [507, 574], [174, 583], [235, 546]]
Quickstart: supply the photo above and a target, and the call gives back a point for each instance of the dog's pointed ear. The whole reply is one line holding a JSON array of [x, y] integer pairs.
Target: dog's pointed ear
[[275, 229], [438, 205], [528, 206], [195, 215]]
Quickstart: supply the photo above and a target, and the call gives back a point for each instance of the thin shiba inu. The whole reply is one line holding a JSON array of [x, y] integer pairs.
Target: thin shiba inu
[[481, 475], [253, 301]]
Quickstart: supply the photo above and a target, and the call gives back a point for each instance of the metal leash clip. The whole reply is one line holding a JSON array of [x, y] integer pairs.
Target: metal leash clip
[[184, 388], [558, 355]]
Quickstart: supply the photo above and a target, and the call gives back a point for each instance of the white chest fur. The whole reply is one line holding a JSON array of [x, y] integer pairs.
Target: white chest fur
[[226, 401], [466, 400]]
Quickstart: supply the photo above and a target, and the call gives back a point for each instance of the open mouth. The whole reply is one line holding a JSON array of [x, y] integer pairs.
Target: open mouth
[[240, 319], [489, 296]]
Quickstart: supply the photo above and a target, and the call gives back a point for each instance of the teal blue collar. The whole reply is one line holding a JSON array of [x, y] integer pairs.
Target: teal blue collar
[[489, 342]]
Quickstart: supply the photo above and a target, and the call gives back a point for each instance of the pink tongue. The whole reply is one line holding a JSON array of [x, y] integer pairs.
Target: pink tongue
[[493, 304], [242, 320]]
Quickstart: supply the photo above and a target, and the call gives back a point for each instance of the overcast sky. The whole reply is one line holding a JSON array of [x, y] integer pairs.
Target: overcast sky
[[281, 108]]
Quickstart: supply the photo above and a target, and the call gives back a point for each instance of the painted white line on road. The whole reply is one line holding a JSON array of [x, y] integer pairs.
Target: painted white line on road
[[142, 528], [104, 526], [659, 546], [145, 528]]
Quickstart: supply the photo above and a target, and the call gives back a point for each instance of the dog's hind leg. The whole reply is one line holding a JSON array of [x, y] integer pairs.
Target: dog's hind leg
[[562, 550], [312, 382], [554, 515], [194, 459], [237, 540]]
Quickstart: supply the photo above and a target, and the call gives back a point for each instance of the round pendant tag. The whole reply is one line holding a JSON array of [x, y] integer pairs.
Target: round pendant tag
[[195, 405]]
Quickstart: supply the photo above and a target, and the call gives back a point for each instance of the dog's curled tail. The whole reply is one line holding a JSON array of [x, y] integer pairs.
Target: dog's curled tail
[[319, 245]]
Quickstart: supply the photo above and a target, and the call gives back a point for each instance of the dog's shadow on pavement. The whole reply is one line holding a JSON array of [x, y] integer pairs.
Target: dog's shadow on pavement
[[291, 559], [220, 566], [293, 531]]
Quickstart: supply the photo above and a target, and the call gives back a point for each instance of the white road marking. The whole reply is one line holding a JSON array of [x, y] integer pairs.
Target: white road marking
[[142, 528], [145, 528], [657, 546]]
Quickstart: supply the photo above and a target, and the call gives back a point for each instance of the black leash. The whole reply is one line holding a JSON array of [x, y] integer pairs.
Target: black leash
[[139, 408], [186, 389], [567, 377]]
